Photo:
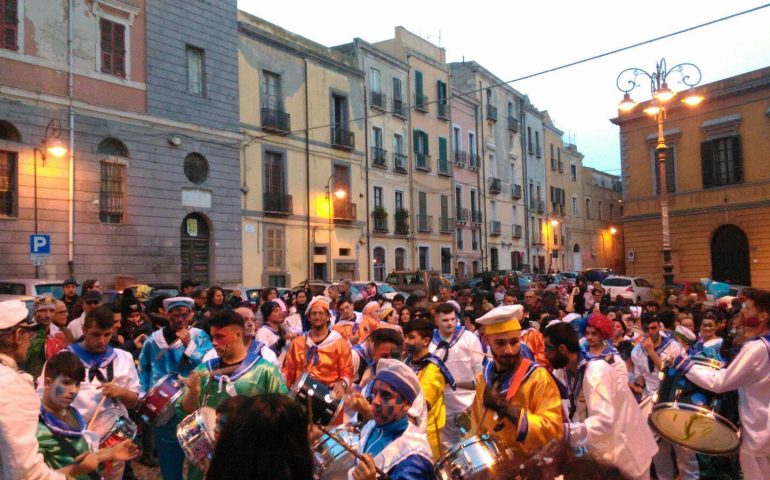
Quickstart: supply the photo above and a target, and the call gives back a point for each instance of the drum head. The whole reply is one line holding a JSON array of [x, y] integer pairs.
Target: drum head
[[471, 459], [331, 460], [695, 428], [208, 417]]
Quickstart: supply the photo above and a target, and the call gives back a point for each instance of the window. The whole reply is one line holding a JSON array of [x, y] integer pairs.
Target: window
[[422, 203], [379, 264], [274, 248], [474, 240], [398, 99], [113, 180], [458, 199], [441, 99], [599, 208], [537, 144], [670, 170], [399, 200], [271, 91], [196, 168], [612, 213], [418, 88], [9, 188], [9, 24], [573, 172], [400, 258], [472, 143], [377, 138], [378, 197], [721, 161], [196, 76], [574, 207], [424, 256], [460, 243], [113, 47], [443, 157], [457, 142], [446, 260], [374, 80], [275, 174], [421, 150], [588, 208], [494, 259]]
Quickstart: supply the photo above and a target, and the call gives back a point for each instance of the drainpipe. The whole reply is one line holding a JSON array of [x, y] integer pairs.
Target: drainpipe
[[71, 163], [366, 172], [525, 183], [409, 165], [484, 240], [307, 174]]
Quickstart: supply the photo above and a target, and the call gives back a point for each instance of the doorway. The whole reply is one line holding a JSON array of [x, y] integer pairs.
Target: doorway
[[195, 248], [730, 256]]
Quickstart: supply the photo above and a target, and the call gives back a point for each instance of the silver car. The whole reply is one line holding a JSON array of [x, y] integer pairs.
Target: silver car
[[635, 289]]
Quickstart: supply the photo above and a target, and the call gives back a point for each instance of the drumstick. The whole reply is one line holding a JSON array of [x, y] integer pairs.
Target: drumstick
[[476, 352], [350, 450], [220, 371], [309, 410], [96, 411]]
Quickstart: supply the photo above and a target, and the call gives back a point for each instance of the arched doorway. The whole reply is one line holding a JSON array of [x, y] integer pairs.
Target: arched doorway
[[195, 248], [379, 264], [577, 260], [730, 256]]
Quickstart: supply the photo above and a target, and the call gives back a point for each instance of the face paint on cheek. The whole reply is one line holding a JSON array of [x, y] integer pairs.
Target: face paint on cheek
[[58, 391]]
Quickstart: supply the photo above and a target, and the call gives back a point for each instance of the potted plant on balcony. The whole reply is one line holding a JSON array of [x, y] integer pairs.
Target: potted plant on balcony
[[402, 221], [380, 216]]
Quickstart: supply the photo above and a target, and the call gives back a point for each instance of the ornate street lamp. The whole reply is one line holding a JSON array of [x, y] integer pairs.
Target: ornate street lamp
[[687, 74]]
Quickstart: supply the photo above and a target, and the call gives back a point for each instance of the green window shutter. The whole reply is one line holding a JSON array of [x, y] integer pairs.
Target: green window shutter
[[418, 83], [707, 163], [416, 139], [737, 159], [426, 143], [442, 148]]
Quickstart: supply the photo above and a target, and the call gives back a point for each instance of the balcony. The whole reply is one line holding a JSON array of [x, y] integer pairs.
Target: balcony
[[443, 110], [444, 167], [422, 161], [476, 217], [517, 229], [380, 218], [491, 113], [276, 120], [495, 186], [379, 157], [540, 206], [460, 158], [421, 103], [461, 216], [277, 204], [516, 192], [473, 161], [425, 223], [343, 138], [513, 124], [445, 224], [399, 163], [344, 211], [398, 108], [402, 222], [378, 100], [495, 228], [537, 241], [561, 166]]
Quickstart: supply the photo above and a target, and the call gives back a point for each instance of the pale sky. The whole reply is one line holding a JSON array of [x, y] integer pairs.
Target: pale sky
[[513, 39]]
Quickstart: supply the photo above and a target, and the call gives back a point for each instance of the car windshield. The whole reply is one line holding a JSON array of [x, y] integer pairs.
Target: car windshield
[[54, 289], [253, 295], [392, 279], [384, 288], [616, 282], [569, 275]]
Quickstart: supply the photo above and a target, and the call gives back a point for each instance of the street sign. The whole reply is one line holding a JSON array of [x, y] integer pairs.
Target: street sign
[[39, 249], [631, 256]]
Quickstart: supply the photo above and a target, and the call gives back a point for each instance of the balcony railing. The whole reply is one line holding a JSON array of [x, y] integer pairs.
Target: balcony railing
[[516, 192], [343, 138], [379, 157], [380, 222], [513, 124], [421, 103], [445, 224], [276, 120], [495, 186], [476, 217], [398, 108], [537, 241], [460, 158], [495, 228], [277, 204], [443, 110], [444, 167], [491, 113], [517, 229], [402, 224], [540, 206], [422, 161], [425, 223], [399, 163], [344, 211], [473, 161], [462, 215], [379, 100]]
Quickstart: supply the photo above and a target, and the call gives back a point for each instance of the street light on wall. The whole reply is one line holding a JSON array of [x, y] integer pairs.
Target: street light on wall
[[52, 146], [339, 194], [687, 74]]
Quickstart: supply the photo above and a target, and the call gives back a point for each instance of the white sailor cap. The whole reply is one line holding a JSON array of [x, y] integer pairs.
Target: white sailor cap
[[685, 334], [502, 319], [13, 313], [400, 377], [175, 302]]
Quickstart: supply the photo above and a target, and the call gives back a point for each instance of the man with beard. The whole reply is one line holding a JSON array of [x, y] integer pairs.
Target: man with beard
[[43, 310], [347, 320], [238, 369], [70, 296], [390, 442], [272, 332], [602, 414], [175, 348], [748, 373], [516, 399]]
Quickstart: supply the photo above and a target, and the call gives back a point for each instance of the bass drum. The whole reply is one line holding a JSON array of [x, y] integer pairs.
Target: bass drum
[[331, 460], [472, 459], [693, 417]]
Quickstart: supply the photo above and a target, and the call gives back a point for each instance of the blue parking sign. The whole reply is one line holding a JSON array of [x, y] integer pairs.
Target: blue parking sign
[[40, 245]]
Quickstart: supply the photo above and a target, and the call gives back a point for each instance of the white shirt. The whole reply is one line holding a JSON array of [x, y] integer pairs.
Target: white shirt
[[20, 457], [465, 362], [76, 326], [641, 367], [749, 374]]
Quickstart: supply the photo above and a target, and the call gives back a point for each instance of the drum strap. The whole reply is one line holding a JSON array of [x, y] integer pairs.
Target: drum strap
[[518, 378], [70, 450]]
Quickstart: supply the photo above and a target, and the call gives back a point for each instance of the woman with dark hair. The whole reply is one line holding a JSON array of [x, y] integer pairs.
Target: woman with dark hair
[[277, 426], [300, 304], [215, 300]]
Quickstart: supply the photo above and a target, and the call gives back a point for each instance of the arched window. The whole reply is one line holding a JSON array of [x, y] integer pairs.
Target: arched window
[[9, 132], [112, 147], [9, 181], [588, 208], [112, 190], [379, 264], [196, 168]]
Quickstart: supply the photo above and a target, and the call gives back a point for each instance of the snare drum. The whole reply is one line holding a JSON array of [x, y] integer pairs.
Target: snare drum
[[472, 459], [331, 460], [196, 437], [325, 407], [122, 429], [693, 417], [158, 406]]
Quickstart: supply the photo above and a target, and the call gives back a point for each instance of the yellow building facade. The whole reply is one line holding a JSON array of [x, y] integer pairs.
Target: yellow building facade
[[718, 183]]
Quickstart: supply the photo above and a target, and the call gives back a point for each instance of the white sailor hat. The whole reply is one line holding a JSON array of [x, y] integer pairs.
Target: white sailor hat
[[400, 377], [502, 319], [685, 334], [14, 313], [175, 302]]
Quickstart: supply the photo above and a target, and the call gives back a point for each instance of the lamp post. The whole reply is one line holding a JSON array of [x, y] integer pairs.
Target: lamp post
[[54, 147], [687, 74], [340, 194]]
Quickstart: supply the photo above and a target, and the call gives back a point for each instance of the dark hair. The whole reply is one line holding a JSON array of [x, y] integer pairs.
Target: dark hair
[[563, 334], [67, 364], [225, 318], [278, 425], [652, 303], [622, 324], [398, 298], [422, 326], [648, 318], [211, 292], [156, 303], [445, 307], [100, 317], [761, 299], [342, 300], [187, 283], [198, 292], [667, 318], [88, 284], [386, 335], [267, 308], [231, 405], [512, 293]]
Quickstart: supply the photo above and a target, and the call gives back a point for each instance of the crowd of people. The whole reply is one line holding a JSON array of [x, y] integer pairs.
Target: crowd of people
[[554, 379]]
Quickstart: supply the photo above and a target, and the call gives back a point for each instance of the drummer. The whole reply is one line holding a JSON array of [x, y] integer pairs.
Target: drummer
[[748, 373], [516, 399], [175, 348], [252, 374], [390, 441], [321, 352], [602, 414]]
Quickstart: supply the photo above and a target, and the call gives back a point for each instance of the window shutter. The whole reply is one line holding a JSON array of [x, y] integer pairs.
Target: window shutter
[[418, 83], [425, 142], [737, 159], [707, 163], [442, 148], [416, 139]]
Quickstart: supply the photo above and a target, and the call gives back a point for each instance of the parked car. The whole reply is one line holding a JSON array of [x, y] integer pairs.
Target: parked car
[[317, 287], [569, 277], [31, 286], [738, 290], [597, 274], [631, 288], [384, 290], [251, 294], [429, 281]]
